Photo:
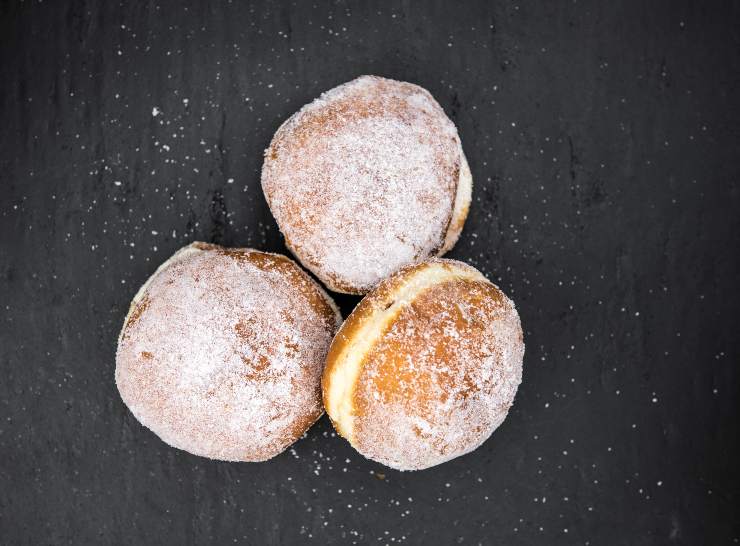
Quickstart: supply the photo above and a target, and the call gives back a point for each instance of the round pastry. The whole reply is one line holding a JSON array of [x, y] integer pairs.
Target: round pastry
[[222, 350], [426, 367], [366, 179]]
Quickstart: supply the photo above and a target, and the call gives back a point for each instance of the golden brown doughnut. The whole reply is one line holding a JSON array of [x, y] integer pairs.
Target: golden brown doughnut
[[367, 178], [426, 366], [222, 350]]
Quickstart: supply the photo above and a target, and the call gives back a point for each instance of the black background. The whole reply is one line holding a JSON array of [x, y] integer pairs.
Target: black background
[[604, 140]]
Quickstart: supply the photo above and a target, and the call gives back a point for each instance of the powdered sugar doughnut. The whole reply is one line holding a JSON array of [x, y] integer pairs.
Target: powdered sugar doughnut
[[367, 178], [426, 366], [222, 351]]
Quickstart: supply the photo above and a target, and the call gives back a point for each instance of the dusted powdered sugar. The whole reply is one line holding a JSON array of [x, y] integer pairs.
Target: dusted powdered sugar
[[362, 181], [222, 352], [441, 378]]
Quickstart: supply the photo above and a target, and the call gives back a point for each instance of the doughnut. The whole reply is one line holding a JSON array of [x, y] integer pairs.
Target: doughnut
[[426, 367], [366, 179], [222, 350]]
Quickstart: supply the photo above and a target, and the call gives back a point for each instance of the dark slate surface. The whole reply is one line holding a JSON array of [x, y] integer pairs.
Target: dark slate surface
[[604, 142]]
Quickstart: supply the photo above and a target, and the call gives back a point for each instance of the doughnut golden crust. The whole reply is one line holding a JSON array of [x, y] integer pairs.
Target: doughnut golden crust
[[366, 179], [426, 367], [222, 350]]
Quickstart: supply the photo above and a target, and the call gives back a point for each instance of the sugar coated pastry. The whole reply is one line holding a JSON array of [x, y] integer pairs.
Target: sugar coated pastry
[[222, 351], [366, 179], [426, 367]]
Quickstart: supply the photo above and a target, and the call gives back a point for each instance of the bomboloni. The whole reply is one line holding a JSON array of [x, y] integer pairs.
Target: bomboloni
[[222, 351], [366, 179], [426, 367]]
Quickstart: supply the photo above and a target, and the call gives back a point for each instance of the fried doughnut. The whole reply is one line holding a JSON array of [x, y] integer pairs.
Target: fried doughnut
[[369, 177], [426, 367], [222, 350]]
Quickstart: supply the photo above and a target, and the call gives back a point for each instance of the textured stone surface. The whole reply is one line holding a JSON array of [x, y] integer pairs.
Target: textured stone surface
[[603, 141]]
